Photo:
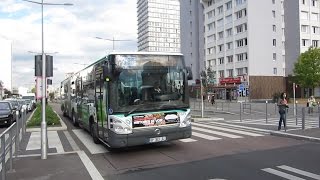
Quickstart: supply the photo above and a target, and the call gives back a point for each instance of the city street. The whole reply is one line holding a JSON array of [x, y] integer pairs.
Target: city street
[[217, 150]]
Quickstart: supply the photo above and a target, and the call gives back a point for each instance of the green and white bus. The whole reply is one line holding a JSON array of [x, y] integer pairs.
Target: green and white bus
[[129, 99]]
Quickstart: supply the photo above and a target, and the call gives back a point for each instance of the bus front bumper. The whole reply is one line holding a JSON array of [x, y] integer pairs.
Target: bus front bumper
[[141, 136]]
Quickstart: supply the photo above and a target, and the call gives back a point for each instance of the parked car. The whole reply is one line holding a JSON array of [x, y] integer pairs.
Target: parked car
[[16, 105], [7, 113], [29, 105]]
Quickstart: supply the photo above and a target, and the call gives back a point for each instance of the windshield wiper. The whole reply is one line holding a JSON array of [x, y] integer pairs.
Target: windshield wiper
[[132, 110]]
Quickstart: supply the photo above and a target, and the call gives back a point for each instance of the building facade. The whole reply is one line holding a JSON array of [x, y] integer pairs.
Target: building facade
[[192, 35], [244, 46], [159, 25], [302, 31], [6, 62]]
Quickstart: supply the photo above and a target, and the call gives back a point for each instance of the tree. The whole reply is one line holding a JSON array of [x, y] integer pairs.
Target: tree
[[307, 68], [51, 95], [33, 90], [6, 91], [210, 76]]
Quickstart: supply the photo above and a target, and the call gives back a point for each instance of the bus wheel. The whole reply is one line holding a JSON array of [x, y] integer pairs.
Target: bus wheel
[[74, 119], [94, 133]]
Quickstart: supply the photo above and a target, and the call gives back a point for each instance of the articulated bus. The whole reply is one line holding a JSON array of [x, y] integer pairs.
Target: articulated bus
[[129, 99]]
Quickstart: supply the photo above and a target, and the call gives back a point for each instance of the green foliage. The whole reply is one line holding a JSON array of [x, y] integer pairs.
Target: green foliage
[[51, 95], [33, 90], [51, 117], [307, 68]]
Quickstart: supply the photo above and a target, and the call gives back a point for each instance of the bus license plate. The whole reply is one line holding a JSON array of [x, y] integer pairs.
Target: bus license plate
[[158, 139]]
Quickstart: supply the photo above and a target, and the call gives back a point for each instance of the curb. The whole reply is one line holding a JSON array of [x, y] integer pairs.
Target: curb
[[62, 128], [295, 136]]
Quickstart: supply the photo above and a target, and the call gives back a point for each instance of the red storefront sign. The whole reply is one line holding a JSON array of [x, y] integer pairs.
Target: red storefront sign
[[230, 80]]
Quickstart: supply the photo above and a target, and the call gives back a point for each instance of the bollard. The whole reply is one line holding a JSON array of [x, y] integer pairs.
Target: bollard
[[296, 113], [11, 151], [3, 157], [266, 112], [240, 111], [303, 118], [17, 139], [285, 120], [275, 109], [319, 115]]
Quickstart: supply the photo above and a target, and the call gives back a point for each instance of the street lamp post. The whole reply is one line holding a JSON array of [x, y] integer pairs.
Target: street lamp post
[[113, 40], [44, 139]]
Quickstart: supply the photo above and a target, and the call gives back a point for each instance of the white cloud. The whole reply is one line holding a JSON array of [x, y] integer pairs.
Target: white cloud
[[69, 30]]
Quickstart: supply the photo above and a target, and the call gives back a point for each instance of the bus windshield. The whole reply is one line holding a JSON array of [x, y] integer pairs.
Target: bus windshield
[[148, 82]]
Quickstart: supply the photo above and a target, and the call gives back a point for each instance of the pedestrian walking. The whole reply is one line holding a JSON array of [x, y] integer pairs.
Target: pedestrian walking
[[283, 105], [212, 99]]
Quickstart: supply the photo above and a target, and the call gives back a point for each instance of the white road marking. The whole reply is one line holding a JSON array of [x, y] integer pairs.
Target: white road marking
[[86, 139], [216, 132], [73, 144], [282, 174], [93, 171], [187, 140], [228, 130], [243, 127], [298, 171], [204, 136], [53, 141]]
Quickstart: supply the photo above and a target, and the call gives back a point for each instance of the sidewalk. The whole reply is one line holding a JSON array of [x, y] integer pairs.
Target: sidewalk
[[60, 166], [312, 134]]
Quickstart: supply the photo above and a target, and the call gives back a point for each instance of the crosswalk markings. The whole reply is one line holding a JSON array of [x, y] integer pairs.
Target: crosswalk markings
[[86, 139], [216, 132], [298, 171], [229, 130], [242, 127], [187, 140], [53, 141], [292, 170], [204, 136]]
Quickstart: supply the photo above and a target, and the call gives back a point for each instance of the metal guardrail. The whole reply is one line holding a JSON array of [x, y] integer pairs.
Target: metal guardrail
[[10, 140]]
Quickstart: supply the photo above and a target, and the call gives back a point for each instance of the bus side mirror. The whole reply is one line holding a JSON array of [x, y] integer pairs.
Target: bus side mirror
[[189, 73]]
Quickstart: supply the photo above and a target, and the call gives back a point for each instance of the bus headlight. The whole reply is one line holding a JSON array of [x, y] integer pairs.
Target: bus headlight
[[185, 119], [121, 128]]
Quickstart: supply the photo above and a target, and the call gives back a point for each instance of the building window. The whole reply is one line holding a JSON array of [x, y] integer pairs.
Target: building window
[[229, 5], [239, 14], [229, 45], [305, 43], [220, 9], [315, 43], [221, 60], [314, 16], [230, 72], [304, 28], [230, 59], [303, 2], [229, 32], [240, 71], [304, 15], [210, 3], [314, 3], [242, 42], [239, 2], [229, 19], [274, 14], [273, 1], [274, 28], [220, 47], [210, 50], [220, 22], [220, 35], [274, 56], [221, 74], [315, 30], [275, 71], [274, 42]]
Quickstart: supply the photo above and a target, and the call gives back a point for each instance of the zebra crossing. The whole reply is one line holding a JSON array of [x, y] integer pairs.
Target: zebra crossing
[[288, 172], [218, 130], [291, 122]]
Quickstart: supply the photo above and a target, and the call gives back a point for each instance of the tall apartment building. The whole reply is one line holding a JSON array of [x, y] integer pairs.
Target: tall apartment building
[[192, 35], [302, 21], [244, 44], [159, 25]]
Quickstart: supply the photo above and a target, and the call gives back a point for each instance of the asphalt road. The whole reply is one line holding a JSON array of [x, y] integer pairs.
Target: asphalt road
[[225, 158]]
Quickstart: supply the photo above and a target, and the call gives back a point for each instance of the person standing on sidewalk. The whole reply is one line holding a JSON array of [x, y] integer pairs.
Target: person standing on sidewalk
[[283, 105]]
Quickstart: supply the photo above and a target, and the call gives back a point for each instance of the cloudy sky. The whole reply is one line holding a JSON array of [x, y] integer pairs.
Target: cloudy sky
[[68, 30]]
